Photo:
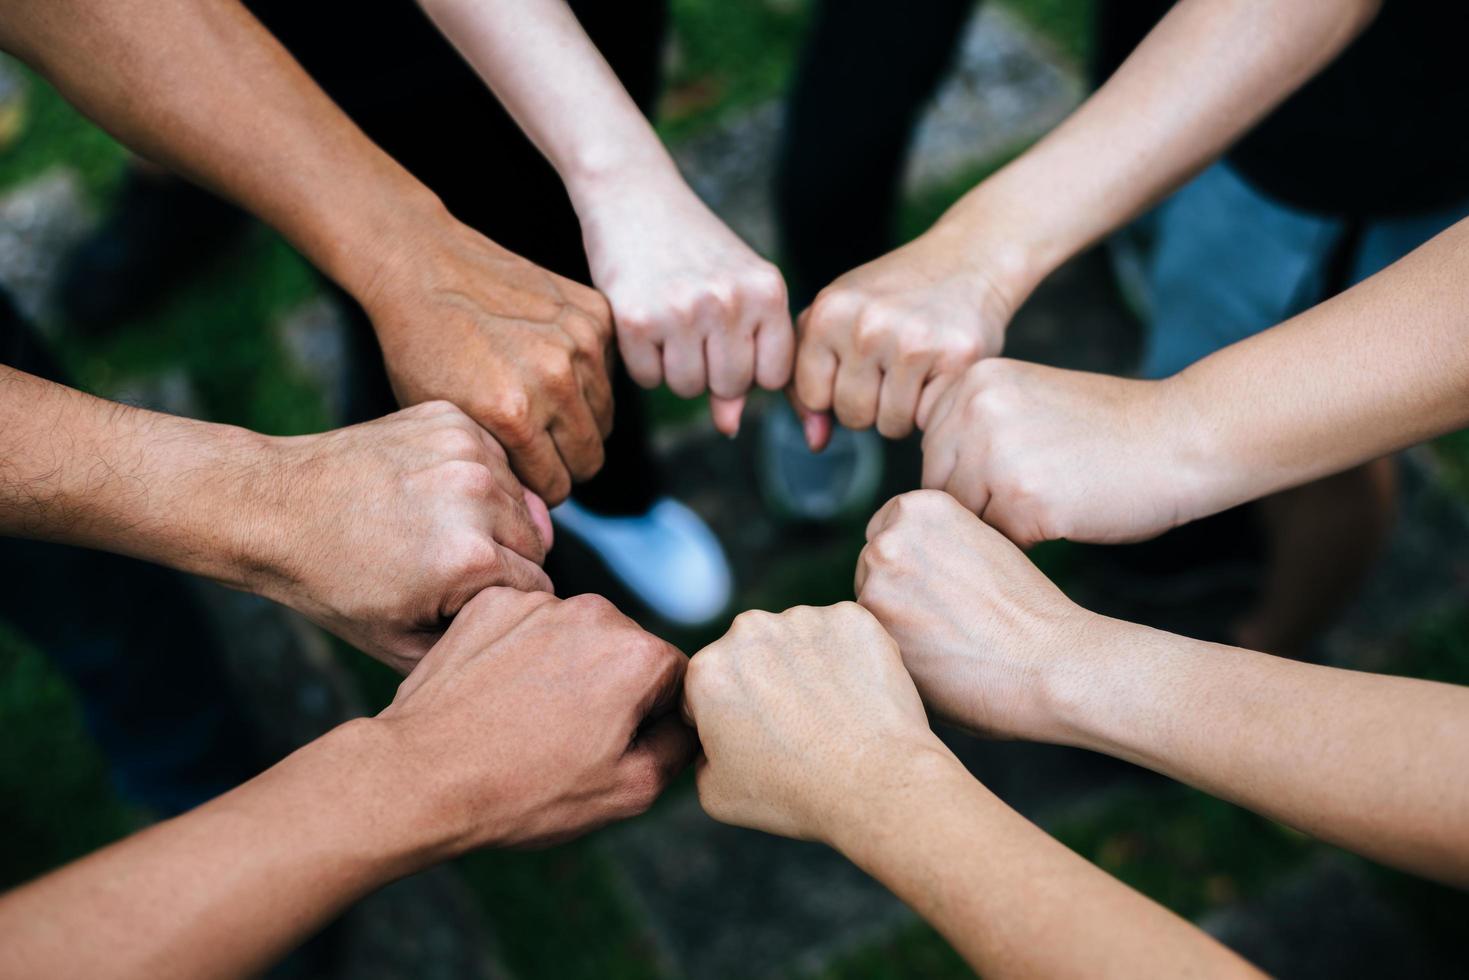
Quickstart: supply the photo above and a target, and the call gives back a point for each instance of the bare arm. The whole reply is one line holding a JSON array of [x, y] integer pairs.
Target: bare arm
[[923, 313], [812, 729], [1044, 453], [486, 745], [694, 306], [1379, 765], [202, 87], [328, 524]]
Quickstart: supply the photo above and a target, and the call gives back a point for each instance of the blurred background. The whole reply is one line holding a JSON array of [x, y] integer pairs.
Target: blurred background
[[247, 335]]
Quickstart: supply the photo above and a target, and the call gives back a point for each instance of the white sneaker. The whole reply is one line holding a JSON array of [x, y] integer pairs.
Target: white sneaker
[[668, 557]]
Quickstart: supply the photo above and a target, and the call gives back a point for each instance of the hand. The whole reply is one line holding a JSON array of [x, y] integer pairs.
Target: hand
[[982, 631], [536, 719], [883, 342], [380, 532], [1040, 454], [804, 718], [693, 304], [523, 351]]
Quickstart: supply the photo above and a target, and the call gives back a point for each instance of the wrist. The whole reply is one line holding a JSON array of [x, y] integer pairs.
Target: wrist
[[600, 177], [1198, 469], [997, 243], [865, 823], [1085, 697]]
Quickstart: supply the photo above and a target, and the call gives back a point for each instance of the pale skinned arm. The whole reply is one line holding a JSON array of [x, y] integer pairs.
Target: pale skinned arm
[[201, 87], [1042, 453], [882, 343], [693, 304], [1374, 764], [812, 729], [379, 532], [531, 722]]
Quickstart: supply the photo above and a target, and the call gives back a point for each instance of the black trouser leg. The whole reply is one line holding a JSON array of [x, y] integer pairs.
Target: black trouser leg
[[867, 69], [445, 126]]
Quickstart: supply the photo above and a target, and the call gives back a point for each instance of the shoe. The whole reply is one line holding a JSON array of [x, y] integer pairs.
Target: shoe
[[818, 487], [159, 233], [668, 558]]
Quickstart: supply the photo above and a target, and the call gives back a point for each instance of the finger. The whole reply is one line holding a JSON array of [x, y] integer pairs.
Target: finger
[[882, 518], [860, 578], [540, 516], [931, 403], [816, 374], [539, 466], [668, 745], [507, 571], [816, 426], [683, 365], [727, 412], [731, 360], [940, 456], [897, 401], [661, 751], [578, 440], [592, 363], [512, 516], [855, 394], [775, 350], [643, 360]]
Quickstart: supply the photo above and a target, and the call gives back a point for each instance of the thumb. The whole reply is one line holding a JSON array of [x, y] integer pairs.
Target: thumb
[[815, 425], [540, 516], [727, 412]]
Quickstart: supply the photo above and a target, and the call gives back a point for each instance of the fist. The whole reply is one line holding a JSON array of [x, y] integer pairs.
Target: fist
[[1041, 454], [542, 719], [523, 351], [882, 343], [382, 531], [802, 715], [981, 630]]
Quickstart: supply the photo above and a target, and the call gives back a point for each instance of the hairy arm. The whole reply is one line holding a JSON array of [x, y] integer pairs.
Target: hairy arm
[[226, 889], [84, 471], [532, 721], [693, 305], [201, 87]]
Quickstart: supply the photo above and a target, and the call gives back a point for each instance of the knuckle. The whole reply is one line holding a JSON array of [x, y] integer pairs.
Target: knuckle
[[511, 417], [767, 285]]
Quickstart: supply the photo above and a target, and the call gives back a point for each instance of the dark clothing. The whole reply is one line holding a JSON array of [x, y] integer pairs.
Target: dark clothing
[[1379, 132], [867, 71], [412, 94]]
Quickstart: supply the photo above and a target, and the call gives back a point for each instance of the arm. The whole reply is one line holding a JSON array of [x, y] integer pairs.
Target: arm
[[693, 305], [200, 86], [485, 746], [872, 780], [1043, 453], [1374, 764], [379, 532], [921, 314]]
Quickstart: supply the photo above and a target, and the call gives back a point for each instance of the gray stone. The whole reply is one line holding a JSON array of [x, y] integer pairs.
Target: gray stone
[[313, 336], [39, 222]]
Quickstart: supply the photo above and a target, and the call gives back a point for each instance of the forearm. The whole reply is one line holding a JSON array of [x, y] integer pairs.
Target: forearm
[[1207, 73], [1374, 764], [230, 887], [200, 86], [84, 471], [539, 61], [1380, 367], [1013, 901]]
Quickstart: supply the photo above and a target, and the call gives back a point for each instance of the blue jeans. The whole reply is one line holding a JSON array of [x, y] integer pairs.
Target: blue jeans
[[1228, 262]]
